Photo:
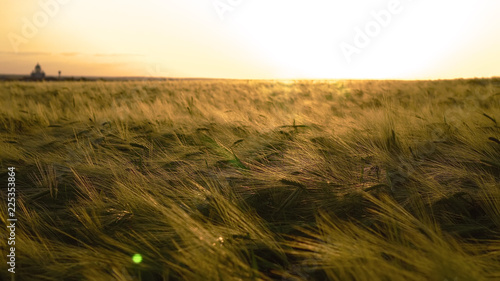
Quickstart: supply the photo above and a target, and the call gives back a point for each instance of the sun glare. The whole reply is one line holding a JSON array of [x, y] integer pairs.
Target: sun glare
[[253, 39]]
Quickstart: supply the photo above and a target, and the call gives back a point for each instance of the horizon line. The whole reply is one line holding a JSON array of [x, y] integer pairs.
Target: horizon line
[[6, 75]]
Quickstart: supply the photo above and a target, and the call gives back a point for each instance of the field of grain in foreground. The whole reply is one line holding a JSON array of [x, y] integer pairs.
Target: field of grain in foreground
[[253, 180]]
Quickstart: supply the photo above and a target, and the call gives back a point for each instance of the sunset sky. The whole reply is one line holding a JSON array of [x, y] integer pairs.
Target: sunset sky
[[387, 39]]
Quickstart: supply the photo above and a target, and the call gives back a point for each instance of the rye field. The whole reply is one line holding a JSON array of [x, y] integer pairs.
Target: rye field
[[252, 180]]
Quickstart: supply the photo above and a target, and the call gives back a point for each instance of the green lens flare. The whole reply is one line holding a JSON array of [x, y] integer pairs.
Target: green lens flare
[[137, 258]]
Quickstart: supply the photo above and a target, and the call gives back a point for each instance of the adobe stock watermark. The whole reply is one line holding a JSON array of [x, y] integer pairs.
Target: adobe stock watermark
[[157, 70], [39, 19], [304, 270], [225, 6], [363, 36]]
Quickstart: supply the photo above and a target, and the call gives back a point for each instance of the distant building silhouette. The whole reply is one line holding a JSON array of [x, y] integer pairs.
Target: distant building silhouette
[[38, 73]]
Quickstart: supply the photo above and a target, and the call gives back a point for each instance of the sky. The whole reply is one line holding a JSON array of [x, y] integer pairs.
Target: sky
[[252, 39]]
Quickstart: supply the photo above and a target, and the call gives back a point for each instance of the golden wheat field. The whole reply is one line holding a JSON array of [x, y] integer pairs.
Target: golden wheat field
[[252, 180]]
